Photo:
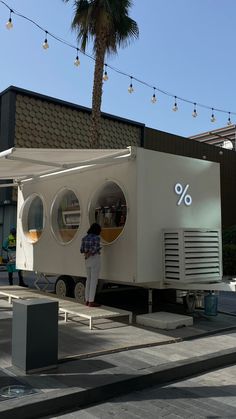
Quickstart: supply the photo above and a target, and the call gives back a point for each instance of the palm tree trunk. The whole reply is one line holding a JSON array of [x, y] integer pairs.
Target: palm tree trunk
[[97, 92]]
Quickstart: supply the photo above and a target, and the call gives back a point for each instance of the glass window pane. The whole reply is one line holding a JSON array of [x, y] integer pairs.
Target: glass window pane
[[65, 215], [109, 209], [33, 218]]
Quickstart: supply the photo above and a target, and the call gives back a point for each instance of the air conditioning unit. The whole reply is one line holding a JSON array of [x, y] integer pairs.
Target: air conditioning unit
[[192, 255]]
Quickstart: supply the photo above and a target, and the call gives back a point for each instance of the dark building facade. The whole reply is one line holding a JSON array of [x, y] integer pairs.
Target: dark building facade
[[32, 120]]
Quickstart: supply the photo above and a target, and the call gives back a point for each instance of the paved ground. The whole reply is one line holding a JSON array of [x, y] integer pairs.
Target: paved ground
[[211, 395], [116, 358]]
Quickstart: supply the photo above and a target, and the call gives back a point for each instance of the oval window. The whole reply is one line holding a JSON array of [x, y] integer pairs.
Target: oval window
[[33, 218], [65, 215], [109, 209]]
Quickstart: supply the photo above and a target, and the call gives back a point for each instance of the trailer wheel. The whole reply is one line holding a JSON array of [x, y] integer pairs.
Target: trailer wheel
[[63, 286], [79, 290]]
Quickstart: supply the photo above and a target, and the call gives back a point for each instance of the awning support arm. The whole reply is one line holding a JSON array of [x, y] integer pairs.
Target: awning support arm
[[40, 162], [100, 160], [8, 185]]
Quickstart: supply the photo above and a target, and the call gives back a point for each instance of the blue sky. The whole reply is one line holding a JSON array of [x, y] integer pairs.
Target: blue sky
[[186, 48]]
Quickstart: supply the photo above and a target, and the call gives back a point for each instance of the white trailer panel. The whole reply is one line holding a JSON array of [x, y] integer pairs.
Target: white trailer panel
[[152, 190]]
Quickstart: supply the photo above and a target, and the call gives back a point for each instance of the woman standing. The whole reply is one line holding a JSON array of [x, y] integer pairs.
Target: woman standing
[[90, 247]]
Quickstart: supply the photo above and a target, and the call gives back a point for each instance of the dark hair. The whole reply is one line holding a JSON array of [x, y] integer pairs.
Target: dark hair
[[95, 228], [13, 230]]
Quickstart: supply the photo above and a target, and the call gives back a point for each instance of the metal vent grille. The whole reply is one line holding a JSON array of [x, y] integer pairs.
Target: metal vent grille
[[192, 255]]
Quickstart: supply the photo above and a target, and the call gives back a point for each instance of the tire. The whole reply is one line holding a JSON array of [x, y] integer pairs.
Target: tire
[[63, 286], [79, 290]]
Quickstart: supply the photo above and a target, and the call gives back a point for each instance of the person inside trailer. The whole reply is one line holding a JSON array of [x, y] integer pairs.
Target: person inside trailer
[[9, 246]]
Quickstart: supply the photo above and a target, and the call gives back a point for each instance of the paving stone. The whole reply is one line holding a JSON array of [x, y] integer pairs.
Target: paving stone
[[208, 394]]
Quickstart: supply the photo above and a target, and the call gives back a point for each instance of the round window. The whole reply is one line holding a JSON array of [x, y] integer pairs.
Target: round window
[[65, 215], [33, 218], [109, 209]]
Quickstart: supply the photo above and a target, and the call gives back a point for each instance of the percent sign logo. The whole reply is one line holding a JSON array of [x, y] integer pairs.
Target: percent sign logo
[[181, 191]]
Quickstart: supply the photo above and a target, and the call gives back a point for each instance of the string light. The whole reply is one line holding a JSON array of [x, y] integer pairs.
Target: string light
[[105, 76], [9, 24], [194, 114], [229, 120], [175, 107], [154, 99], [131, 89], [213, 118], [77, 61], [45, 44]]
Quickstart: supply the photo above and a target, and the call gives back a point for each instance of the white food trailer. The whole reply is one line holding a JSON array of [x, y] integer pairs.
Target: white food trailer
[[160, 216]]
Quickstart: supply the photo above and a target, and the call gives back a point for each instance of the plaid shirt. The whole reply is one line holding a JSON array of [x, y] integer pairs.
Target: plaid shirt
[[90, 245]]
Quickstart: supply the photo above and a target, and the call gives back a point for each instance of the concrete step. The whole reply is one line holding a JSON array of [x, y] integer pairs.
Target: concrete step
[[164, 320]]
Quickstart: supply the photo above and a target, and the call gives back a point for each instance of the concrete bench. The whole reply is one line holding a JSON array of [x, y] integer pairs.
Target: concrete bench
[[16, 292], [66, 306], [93, 313]]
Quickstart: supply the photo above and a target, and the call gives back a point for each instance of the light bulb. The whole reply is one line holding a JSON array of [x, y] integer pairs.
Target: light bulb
[[45, 44], [213, 119], [229, 120], [9, 24], [175, 107], [130, 89], [153, 99], [194, 114], [77, 61], [105, 76]]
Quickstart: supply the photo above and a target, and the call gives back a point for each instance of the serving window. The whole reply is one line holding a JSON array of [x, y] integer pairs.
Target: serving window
[[109, 209], [65, 215], [33, 218]]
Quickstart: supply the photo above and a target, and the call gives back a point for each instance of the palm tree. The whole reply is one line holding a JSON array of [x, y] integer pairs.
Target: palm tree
[[108, 25]]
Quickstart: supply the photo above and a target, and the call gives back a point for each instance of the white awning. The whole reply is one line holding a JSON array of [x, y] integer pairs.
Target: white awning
[[24, 163]]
